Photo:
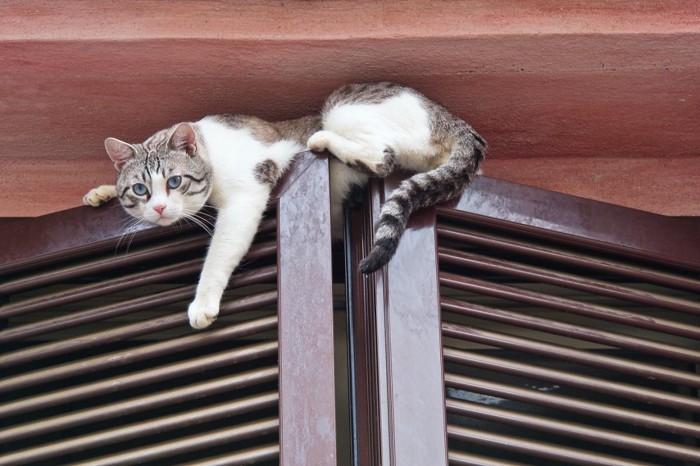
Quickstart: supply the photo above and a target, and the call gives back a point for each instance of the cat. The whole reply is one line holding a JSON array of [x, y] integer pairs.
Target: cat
[[233, 162], [373, 129], [230, 161]]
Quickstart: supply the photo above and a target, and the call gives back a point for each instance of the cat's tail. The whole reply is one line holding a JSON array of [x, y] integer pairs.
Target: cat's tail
[[423, 190]]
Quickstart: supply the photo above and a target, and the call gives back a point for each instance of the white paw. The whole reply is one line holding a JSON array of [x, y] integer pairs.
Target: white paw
[[318, 141], [98, 196], [202, 315]]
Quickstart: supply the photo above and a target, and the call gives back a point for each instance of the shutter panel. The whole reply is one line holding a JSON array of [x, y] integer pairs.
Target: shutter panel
[[564, 340], [99, 365], [564, 350]]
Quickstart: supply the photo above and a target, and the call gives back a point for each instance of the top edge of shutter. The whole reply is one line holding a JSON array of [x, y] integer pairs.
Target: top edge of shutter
[[579, 221]]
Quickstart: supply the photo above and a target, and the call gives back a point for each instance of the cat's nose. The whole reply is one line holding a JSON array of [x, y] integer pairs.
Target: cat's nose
[[159, 208]]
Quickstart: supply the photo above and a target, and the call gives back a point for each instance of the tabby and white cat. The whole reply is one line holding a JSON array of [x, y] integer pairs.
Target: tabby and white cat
[[230, 161], [233, 161], [376, 127]]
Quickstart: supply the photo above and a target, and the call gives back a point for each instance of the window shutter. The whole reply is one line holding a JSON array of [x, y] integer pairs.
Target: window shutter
[[569, 333], [99, 365], [513, 326]]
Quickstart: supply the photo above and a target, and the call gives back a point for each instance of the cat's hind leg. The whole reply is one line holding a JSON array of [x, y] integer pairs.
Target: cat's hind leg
[[374, 160], [99, 195]]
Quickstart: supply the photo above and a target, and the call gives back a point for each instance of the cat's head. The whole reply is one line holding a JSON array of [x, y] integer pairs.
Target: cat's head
[[164, 179]]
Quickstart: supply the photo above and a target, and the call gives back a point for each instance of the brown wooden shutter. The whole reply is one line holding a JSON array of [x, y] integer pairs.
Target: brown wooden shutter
[[99, 365], [568, 331], [514, 326]]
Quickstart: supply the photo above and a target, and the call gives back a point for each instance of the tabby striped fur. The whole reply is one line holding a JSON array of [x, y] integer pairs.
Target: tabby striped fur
[[375, 128]]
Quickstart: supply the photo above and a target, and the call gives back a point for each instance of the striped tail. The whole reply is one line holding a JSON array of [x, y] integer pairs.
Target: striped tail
[[441, 184]]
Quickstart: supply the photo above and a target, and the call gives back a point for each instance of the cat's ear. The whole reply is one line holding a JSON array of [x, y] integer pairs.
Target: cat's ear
[[185, 138], [119, 152]]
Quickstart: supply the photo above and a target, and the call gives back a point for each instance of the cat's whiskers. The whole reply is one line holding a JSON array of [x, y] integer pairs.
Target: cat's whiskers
[[206, 217], [200, 220], [129, 228], [205, 214]]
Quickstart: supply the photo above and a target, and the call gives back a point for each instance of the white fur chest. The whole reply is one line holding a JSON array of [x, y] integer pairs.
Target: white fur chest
[[234, 154]]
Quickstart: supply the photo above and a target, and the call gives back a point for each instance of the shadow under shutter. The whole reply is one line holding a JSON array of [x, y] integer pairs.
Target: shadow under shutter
[[99, 365]]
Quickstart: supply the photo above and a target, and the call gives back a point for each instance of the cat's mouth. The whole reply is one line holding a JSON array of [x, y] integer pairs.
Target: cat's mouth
[[165, 220]]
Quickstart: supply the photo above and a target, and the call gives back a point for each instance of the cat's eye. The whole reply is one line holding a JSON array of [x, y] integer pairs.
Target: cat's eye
[[139, 189], [174, 182]]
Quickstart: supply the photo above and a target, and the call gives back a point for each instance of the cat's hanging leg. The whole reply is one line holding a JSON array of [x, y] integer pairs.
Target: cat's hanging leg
[[236, 224], [100, 195], [372, 159]]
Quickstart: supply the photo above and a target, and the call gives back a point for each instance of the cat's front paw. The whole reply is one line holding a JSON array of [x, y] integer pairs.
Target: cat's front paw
[[99, 195], [201, 314], [318, 142]]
